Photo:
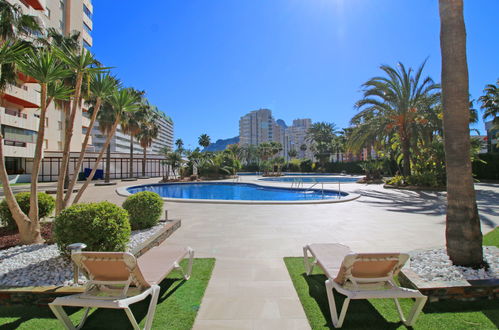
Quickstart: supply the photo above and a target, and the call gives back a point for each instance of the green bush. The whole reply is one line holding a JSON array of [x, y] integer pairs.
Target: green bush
[[398, 180], [306, 165], [46, 204], [144, 209], [487, 168], [101, 226]]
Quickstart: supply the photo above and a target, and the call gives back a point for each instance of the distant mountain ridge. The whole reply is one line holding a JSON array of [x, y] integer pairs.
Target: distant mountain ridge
[[221, 144]]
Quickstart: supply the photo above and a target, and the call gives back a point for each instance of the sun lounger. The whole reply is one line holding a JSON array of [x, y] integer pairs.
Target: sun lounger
[[361, 276], [118, 279]]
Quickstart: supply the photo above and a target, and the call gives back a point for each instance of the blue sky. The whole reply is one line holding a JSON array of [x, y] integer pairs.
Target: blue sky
[[208, 62]]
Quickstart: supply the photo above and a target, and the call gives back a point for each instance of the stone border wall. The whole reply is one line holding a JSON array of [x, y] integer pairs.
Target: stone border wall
[[42, 295]]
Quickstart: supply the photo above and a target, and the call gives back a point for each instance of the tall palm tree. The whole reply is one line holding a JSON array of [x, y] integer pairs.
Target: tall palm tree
[[29, 230], [490, 102], [102, 84], [46, 68], [391, 104], [149, 131], [81, 64], [131, 122], [204, 140], [292, 153], [463, 233], [119, 102], [321, 135]]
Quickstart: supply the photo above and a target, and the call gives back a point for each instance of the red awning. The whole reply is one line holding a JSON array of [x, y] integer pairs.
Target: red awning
[[36, 4], [16, 100], [25, 78]]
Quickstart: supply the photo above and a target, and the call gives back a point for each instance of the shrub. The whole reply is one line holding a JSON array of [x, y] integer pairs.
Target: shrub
[[486, 168], [397, 180], [46, 204], [144, 209], [101, 226], [306, 165]]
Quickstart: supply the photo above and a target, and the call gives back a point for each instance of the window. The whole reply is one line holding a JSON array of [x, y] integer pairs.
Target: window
[[86, 44], [87, 11], [47, 12], [46, 122], [87, 28], [46, 143], [59, 125], [61, 25], [15, 134], [61, 4]]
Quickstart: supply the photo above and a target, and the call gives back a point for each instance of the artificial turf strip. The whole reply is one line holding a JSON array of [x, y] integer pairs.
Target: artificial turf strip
[[382, 313], [492, 238], [177, 307]]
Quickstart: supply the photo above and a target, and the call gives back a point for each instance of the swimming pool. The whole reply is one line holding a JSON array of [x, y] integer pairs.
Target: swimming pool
[[238, 193], [321, 179]]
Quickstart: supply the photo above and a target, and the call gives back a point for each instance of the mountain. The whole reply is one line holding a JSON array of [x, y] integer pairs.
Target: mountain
[[221, 144], [281, 123]]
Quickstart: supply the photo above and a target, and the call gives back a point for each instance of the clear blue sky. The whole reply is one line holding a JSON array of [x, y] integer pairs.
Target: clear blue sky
[[208, 62]]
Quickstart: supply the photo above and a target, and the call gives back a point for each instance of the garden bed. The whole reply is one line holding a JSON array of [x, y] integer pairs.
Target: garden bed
[[10, 237], [41, 264]]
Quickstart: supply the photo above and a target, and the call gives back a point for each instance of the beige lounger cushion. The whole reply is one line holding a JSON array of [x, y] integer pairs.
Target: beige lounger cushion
[[329, 256], [370, 265], [159, 261]]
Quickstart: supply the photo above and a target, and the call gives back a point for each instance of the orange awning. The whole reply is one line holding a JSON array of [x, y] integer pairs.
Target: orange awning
[[16, 100]]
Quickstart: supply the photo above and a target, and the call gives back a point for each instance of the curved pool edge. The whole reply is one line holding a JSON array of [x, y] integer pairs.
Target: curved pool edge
[[122, 191]]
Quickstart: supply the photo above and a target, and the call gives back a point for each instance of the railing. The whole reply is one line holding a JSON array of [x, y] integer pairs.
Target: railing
[[14, 143], [15, 113]]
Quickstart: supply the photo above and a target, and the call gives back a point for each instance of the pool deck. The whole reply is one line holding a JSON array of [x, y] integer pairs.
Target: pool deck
[[250, 287]]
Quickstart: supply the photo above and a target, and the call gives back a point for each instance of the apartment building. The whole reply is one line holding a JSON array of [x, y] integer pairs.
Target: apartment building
[[296, 137], [492, 131], [19, 104], [257, 127], [120, 143]]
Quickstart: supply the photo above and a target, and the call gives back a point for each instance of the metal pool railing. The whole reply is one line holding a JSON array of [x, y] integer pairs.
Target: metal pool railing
[[299, 183]]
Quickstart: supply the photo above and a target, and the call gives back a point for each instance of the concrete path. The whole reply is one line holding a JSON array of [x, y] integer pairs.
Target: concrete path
[[250, 287]]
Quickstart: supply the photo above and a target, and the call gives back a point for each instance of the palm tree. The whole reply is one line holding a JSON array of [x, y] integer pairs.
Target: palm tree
[[321, 136], [174, 160], [149, 131], [131, 122], [180, 145], [463, 233], [119, 102], [490, 102], [204, 140], [29, 229], [102, 84], [292, 153], [81, 64], [391, 105], [14, 27]]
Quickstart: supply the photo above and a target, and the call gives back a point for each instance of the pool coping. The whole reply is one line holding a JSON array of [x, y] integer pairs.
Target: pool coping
[[122, 191]]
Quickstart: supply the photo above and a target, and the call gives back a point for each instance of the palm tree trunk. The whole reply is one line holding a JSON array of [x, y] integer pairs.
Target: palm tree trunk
[[96, 164], [82, 153], [107, 176], [406, 152], [463, 233], [144, 163], [33, 199], [67, 144], [131, 156], [29, 231]]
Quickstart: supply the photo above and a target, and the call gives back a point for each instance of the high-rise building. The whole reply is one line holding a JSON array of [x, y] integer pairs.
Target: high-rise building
[[120, 143], [492, 131], [257, 127], [19, 104], [296, 138]]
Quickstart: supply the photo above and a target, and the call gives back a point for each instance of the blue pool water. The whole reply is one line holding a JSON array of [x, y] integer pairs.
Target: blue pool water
[[311, 179], [235, 191]]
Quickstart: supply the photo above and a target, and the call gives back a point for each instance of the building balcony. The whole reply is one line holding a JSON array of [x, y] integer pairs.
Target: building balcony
[[35, 4], [19, 119], [18, 149], [23, 96]]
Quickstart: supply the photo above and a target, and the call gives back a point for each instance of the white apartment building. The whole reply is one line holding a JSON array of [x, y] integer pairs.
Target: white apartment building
[[120, 143], [295, 136], [19, 104]]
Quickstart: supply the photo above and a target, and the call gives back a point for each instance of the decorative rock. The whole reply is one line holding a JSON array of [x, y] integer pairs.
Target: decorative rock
[[435, 265], [42, 265]]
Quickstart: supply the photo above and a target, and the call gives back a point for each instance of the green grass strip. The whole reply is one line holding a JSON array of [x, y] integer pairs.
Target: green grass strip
[[492, 238], [381, 313], [178, 305]]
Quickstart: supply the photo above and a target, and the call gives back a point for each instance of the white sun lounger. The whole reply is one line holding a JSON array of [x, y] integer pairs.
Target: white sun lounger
[[361, 276], [118, 279]]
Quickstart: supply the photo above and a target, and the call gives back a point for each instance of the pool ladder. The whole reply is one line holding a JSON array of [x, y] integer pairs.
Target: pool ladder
[[298, 183]]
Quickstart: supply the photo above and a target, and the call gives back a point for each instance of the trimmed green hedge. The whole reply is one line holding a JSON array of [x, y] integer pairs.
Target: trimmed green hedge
[[101, 226], [144, 209], [46, 205]]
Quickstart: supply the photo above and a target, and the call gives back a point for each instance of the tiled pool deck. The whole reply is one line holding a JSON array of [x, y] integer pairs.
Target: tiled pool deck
[[250, 287]]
